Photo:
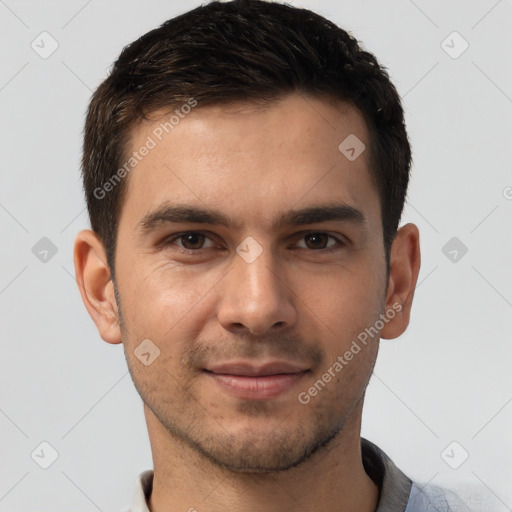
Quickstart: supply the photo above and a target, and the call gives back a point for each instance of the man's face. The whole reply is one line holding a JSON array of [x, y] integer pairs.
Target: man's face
[[232, 306]]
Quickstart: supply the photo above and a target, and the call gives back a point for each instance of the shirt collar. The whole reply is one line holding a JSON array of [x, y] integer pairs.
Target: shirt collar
[[143, 488], [394, 486]]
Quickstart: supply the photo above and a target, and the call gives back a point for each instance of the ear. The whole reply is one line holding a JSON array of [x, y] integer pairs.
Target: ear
[[96, 286], [405, 263]]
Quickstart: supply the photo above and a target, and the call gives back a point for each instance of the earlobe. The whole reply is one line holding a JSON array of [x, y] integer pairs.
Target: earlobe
[[96, 286], [405, 261]]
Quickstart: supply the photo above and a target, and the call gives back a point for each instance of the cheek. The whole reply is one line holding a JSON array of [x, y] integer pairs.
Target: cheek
[[341, 306], [343, 294], [164, 302]]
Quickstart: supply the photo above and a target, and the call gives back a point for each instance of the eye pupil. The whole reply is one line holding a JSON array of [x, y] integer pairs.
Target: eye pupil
[[194, 239], [316, 238]]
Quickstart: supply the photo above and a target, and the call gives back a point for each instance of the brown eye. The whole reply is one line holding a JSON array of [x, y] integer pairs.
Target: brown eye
[[192, 241], [319, 241], [316, 240]]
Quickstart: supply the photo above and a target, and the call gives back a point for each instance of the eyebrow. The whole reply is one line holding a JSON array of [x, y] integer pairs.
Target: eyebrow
[[168, 213]]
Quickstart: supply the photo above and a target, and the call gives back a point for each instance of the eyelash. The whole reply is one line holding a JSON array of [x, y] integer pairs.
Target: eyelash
[[170, 241]]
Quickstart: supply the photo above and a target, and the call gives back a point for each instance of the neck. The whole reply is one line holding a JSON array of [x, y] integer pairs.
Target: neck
[[331, 479]]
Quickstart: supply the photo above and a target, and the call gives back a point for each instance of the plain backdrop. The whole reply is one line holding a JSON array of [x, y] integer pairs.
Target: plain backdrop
[[440, 392]]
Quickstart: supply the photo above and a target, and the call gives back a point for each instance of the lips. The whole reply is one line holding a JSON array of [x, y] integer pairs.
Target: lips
[[256, 382], [248, 370]]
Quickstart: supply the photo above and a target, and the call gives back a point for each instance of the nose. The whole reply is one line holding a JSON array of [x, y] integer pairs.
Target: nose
[[256, 297]]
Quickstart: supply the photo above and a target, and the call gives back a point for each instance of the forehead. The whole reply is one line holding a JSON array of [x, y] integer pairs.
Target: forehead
[[252, 162]]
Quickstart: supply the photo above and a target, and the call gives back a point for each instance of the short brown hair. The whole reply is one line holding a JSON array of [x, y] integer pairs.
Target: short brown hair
[[243, 50]]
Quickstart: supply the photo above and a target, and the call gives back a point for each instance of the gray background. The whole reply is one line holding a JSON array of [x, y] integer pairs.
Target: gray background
[[447, 379]]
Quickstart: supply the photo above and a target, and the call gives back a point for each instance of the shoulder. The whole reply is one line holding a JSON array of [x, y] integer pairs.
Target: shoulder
[[431, 498]]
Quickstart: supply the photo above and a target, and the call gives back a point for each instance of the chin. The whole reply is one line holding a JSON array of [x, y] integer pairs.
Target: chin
[[265, 450]]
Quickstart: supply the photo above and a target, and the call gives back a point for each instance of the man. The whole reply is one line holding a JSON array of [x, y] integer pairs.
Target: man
[[245, 168]]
